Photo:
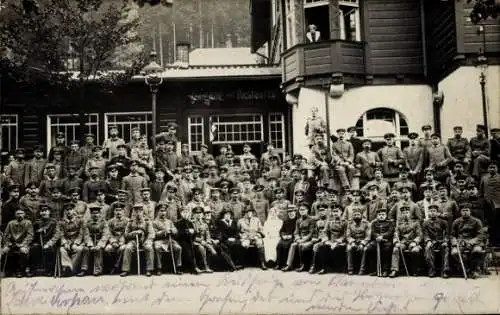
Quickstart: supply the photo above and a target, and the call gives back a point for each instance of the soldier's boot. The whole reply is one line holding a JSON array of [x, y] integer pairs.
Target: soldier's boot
[[196, 270], [432, 273], [313, 263], [393, 274], [229, 261], [286, 268], [444, 274], [262, 258], [300, 268]]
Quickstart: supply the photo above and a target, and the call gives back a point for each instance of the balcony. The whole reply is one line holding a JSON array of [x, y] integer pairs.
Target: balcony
[[319, 60]]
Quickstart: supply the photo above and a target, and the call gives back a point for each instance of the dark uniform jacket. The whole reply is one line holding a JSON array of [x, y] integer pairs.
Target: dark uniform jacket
[[435, 230], [117, 230], [161, 226], [414, 156], [143, 224], [459, 148], [358, 232], [16, 171], [34, 170], [408, 230], [72, 231], [304, 228], [383, 228], [183, 226], [18, 233], [228, 229], [467, 230], [48, 184], [396, 155], [335, 229], [97, 232], [46, 230], [288, 227]]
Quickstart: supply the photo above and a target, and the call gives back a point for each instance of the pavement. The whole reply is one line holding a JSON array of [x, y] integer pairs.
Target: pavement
[[250, 291]]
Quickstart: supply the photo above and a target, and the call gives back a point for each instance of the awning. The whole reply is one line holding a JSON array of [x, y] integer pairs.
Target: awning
[[260, 11]]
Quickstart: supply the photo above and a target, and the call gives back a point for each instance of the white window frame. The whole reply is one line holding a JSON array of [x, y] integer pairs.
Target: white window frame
[[290, 23], [354, 4], [281, 122], [397, 127], [315, 3], [89, 123], [190, 124], [107, 122], [241, 123], [8, 125]]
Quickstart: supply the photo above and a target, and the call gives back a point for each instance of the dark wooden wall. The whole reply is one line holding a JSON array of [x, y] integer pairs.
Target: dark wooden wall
[[392, 30]]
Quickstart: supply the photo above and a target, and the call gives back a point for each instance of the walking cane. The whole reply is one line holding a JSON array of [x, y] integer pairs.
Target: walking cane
[[403, 257], [42, 250], [138, 256], [5, 263], [379, 266], [461, 261], [172, 252], [94, 256]]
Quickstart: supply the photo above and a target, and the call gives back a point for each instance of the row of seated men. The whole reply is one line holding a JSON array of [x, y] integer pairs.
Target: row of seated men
[[314, 239]]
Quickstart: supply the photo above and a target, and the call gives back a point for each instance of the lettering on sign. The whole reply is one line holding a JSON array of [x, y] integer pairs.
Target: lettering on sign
[[242, 95]]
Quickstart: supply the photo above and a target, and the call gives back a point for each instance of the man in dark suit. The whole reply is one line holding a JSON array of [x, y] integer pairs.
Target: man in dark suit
[[185, 237], [228, 235]]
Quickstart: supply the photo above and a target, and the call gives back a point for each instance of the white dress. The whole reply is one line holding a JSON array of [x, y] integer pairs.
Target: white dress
[[271, 229]]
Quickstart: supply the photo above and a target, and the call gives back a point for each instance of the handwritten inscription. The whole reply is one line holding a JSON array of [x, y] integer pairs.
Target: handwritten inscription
[[248, 292]]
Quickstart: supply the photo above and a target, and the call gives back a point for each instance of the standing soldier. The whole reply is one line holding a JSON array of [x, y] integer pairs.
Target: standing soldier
[[157, 185], [60, 146], [480, 148], [74, 253], [425, 143], [121, 160], [164, 242], [43, 249], [96, 160], [110, 145], [391, 157], [436, 236], [17, 239], [10, 207], [315, 125], [495, 146], [343, 156], [97, 235], [466, 243], [414, 156], [116, 239], [35, 167], [146, 202], [133, 183], [382, 233], [459, 147], [439, 158], [30, 202], [139, 228], [172, 203], [215, 203], [357, 237], [251, 233], [87, 149], [353, 138], [407, 236], [490, 190], [235, 205], [16, 169], [72, 181], [93, 185], [74, 158], [203, 158], [366, 161], [135, 138], [260, 204], [302, 237]]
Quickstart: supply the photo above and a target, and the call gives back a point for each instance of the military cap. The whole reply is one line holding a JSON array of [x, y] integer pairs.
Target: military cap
[[214, 189], [435, 135], [254, 159], [93, 167], [378, 169], [43, 205], [279, 190], [111, 127], [295, 170], [350, 129], [19, 151], [99, 192], [119, 205], [405, 205], [269, 144], [258, 188], [96, 148], [74, 167], [428, 187], [404, 188], [458, 128], [441, 187], [177, 170], [270, 178], [138, 206], [121, 146], [89, 135], [172, 125], [31, 185], [171, 188], [226, 210], [222, 146], [229, 155], [481, 127], [495, 130], [187, 169], [14, 187], [243, 172], [225, 184], [465, 205], [429, 170], [340, 130], [332, 191], [249, 208], [55, 189], [72, 142], [198, 209], [426, 127], [335, 206], [68, 205], [145, 189], [322, 206], [372, 186], [382, 209], [291, 208], [135, 129], [404, 169], [297, 156], [492, 164], [235, 190], [223, 168], [412, 135], [112, 167], [160, 205], [472, 185], [196, 190], [37, 148], [75, 190], [299, 191], [57, 150], [171, 142], [94, 209], [458, 163], [389, 135], [60, 135], [460, 178], [159, 170], [433, 206], [366, 141], [122, 191], [305, 205], [321, 189]]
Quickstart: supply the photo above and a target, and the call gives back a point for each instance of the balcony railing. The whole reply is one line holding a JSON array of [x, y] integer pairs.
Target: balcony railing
[[323, 58]]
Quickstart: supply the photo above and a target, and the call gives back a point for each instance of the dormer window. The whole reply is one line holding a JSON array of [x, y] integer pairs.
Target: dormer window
[[349, 20], [316, 12]]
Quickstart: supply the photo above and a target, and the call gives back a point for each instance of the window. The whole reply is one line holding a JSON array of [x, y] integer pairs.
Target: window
[[69, 124], [126, 121], [236, 129], [313, 3], [317, 12], [290, 23], [8, 133], [350, 27], [376, 122], [195, 133], [277, 131]]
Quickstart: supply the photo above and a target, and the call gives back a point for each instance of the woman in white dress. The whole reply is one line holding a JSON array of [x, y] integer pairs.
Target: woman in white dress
[[271, 229]]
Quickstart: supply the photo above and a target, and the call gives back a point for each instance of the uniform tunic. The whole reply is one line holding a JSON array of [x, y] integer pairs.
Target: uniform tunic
[[91, 187], [111, 146], [48, 184], [466, 229], [71, 182], [358, 231], [490, 188], [16, 172], [367, 161], [116, 228], [100, 163], [133, 183], [435, 229], [414, 156], [18, 233], [391, 153], [459, 148], [34, 171]]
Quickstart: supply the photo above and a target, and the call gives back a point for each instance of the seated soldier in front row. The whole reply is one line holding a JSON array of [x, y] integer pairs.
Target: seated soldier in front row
[[74, 253], [407, 236], [164, 242], [302, 238], [43, 249], [466, 241], [382, 232], [17, 240], [97, 235], [318, 239], [116, 240], [251, 233], [357, 237], [435, 231], [286, 236], [202, 239], [335, 230]]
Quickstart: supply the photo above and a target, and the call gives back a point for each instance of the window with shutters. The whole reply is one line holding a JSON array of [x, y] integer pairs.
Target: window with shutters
[[349, 20]]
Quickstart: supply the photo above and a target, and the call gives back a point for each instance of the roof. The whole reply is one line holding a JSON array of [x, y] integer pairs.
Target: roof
[[222, 56]]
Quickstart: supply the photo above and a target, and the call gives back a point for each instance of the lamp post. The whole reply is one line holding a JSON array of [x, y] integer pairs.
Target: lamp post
[[153, 79], [482, 61]]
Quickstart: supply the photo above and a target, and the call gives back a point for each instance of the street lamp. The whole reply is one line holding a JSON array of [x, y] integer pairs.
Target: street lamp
[[153, 79], [482, 61]]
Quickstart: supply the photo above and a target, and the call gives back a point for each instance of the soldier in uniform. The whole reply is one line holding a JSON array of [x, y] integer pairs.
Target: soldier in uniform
[[60, 147], [46, 236], [414, 156], [343, 159], [287, 232], [185, 228], [280, 203], [357, 237], [139, 228], [172, 203], [315, 125], [334, 231], [87, 148], [459, 147], [425, 143], [157, 185], [74, 253], [260, 204], [165, 232], [17, 240], [391, 157], [235, 205], [321, 159], [202, 158], [202, 239], [74, 158], [404, 181], [466, 237], [93, 185], [121, 161], [35, 167], [111, 144], [436, 236], [30, 202], [480, 147], [98, 161], [495, 146], [366, 161], [429, 182], [303, 233], [10, 207], [135, 138], [148, 205], [16, 170], [439, 158], [356, 205], [384, 188], [72, 181], [407, 236], [373, 204], [134, 183], [490, 190], [319, 237], [251, 233], [382, 233], [448, 208], [97, 236], [116, 240]]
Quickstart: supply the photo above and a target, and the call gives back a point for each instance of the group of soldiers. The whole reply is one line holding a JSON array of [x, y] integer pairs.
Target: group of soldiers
[[87, 205]]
